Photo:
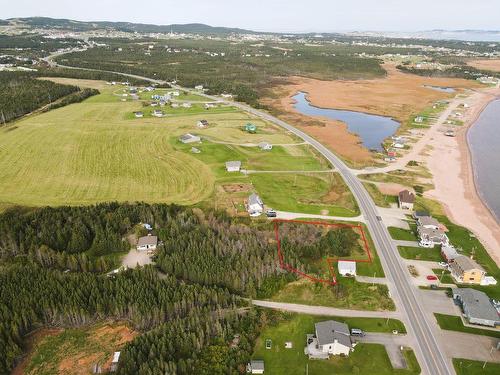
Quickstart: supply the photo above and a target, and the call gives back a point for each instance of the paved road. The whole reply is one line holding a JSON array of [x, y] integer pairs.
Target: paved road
[[430, 355], [285, 215], [327, 311], [392, 343]]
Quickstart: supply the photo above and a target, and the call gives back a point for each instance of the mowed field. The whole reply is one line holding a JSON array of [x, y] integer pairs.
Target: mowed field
[[87, 152], [97, 151]]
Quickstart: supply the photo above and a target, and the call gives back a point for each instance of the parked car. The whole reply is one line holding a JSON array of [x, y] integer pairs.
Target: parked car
[[426, 244], [357, 332], [443, 264], [271, 213], [432, 278]]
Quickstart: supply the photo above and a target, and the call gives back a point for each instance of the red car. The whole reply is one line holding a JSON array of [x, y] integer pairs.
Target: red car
[[432, 277]]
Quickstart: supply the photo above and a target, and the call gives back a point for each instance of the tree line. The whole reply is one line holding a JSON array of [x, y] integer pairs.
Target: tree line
[[22, 93]]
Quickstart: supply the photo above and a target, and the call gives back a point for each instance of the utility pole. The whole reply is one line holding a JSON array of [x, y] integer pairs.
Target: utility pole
[[3, 118]]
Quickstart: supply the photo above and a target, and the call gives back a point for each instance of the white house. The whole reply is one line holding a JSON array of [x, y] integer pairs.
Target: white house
[[347, 267], [198, 87], [138, 114], [114, 361], [330, 338], [255, 206], [419, 119], [233, 166], [256, 366], [202, 124], [406, 200], [148, 242], [265, 146], [189, 138], [158, 113]]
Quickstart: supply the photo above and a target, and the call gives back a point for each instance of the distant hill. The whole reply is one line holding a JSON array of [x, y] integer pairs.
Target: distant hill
[[66, 24]]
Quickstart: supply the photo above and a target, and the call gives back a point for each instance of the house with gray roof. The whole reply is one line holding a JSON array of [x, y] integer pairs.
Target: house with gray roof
[[432, 236], [330, 338], [428, 222], [476, 306], [148, 242], [233, 166], [255, 206], [189, 138]]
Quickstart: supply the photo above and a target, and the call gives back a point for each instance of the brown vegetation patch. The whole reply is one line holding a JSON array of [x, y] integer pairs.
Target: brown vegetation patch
[[237, 188], [398, 95], [488, 64], [90, 83]]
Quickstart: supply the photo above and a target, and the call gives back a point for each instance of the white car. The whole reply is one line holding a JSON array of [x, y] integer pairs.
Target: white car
[[425, 244], [443, 264]]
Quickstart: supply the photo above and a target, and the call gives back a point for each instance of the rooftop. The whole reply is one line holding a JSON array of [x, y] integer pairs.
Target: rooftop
[[147, 240], [477, 304], [428, 220], [330, 330], [406, 196], [257, 364], [466, 263]]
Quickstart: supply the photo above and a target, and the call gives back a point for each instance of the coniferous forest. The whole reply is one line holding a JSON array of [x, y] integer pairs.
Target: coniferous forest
[[188, 307]]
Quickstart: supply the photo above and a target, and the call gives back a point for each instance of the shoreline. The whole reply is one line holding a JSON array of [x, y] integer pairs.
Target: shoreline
[[455, 184], [470, 162]]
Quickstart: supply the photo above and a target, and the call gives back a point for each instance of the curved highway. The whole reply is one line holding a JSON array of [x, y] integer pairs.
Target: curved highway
[[428, 352]]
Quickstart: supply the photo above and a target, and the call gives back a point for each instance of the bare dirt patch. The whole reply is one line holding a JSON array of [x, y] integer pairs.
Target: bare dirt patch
[[489, 64], [74, 351], [388, 188], [237, 188]]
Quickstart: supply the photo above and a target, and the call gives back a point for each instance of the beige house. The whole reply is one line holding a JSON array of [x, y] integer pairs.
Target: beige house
[[148, 243], [467, 271]]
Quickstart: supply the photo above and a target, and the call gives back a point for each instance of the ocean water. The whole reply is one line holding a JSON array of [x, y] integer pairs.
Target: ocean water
[[484, 142], [372, 129]]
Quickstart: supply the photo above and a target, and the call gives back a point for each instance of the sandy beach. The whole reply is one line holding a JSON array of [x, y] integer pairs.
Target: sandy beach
[[450, 163]]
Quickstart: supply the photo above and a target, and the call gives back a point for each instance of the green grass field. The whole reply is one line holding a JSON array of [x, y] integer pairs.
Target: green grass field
[[348, 293], [454, 323], [97, 151], [468, 367], [402, 234], [281, 361], [420, 253]]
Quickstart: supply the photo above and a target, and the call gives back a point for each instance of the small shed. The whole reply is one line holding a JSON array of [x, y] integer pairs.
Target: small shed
[[158, 113], [139, 114], [256, 366], [114, 362], [265, 146], [189, 138], [251, 128], [233, 166], [347, 267], [202, 123]]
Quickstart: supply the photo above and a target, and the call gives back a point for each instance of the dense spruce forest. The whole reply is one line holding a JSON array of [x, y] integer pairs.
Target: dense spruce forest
[[243, 69], [22, 93], [189, 306]]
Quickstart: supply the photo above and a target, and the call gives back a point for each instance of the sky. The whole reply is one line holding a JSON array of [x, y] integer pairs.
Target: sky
[[275, 15]]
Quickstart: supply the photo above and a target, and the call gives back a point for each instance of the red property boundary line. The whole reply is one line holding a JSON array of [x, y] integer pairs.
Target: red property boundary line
[[330, 261]]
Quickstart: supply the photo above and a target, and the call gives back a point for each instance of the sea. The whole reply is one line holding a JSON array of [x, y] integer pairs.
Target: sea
[[484, 142]]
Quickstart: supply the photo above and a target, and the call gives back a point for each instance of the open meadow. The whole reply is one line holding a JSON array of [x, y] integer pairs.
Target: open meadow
[[98, 151]]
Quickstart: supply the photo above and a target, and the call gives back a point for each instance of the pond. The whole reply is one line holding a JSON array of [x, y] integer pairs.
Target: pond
[[372, 129], [440, 88]]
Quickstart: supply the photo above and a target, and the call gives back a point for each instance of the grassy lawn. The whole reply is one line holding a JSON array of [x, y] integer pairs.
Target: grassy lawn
[[380, 199], [348, 293], [65, 350], [294, 328], [468, 367], [311, 193], [402, 234], [445, 278], [454, 323], [420, 253]]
